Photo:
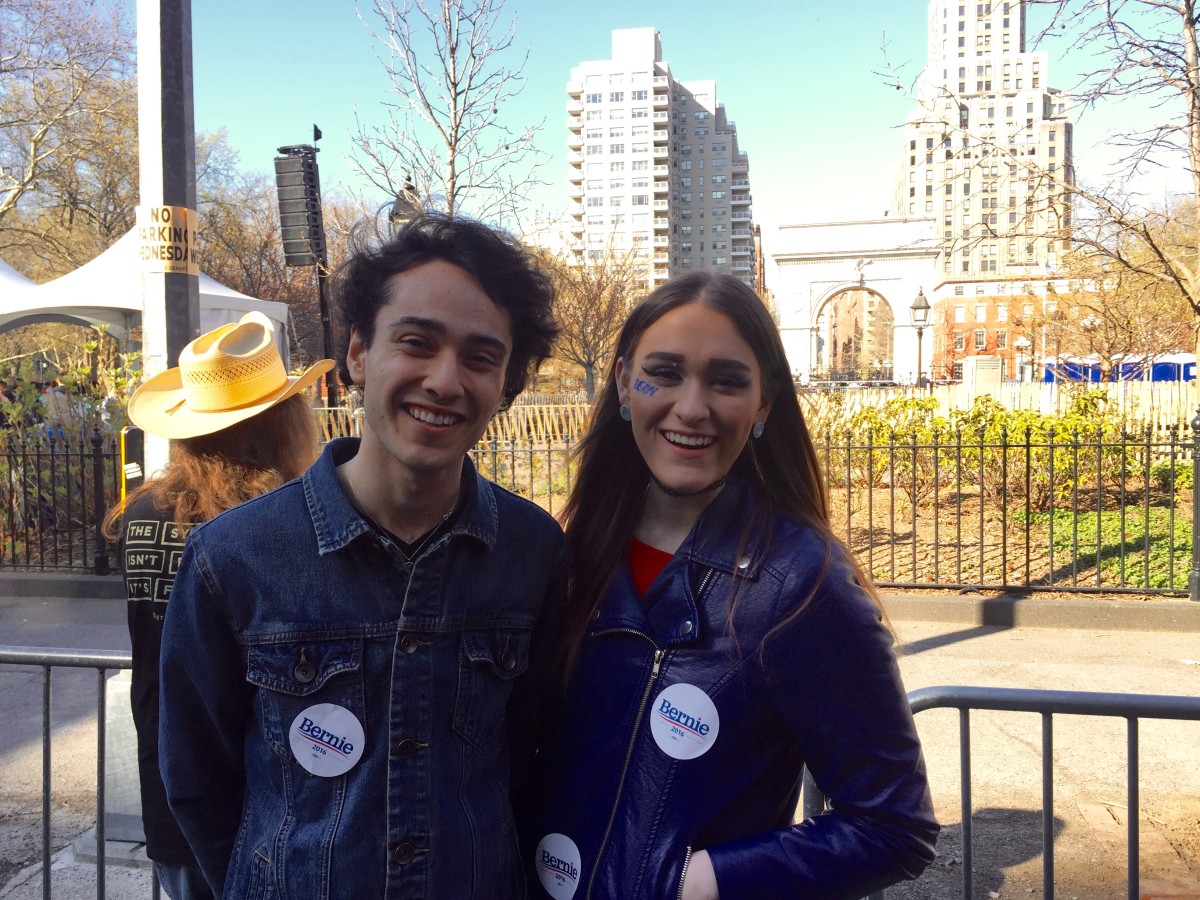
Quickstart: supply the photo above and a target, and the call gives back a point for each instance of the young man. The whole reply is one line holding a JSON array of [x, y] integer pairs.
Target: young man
[[345, 660]]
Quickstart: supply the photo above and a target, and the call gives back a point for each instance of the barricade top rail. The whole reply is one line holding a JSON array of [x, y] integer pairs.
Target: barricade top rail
[[65, 656], [1080, 703]]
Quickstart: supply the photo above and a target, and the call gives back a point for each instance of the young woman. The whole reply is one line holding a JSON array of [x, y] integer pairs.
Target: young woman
[[240, 426], [717, 640]]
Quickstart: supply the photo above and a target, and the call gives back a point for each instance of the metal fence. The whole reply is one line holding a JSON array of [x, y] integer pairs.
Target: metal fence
[[1079, 512], [1086, 512], [56, 489], [1131, 707], [47, 659]]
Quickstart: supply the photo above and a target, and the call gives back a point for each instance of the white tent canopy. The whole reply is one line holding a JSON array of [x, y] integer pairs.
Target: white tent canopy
[[108, 291]]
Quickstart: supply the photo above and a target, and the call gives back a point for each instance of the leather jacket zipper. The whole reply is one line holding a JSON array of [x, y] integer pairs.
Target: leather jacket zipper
[[659, 655], [637, 721]]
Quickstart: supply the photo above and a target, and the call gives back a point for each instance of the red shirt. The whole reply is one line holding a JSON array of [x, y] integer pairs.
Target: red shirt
[[645, 562]]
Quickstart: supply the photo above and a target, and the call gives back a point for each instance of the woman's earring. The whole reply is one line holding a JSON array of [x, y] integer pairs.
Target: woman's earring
[[758, 429], [626, 413]]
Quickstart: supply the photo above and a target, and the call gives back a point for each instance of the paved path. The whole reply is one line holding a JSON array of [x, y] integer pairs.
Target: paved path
[[1089, 754]]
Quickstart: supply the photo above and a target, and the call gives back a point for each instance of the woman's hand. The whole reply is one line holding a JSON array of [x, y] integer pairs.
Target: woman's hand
[[700, 882]]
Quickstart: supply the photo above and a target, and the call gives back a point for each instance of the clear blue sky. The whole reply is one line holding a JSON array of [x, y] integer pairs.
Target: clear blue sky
[[820, 126]]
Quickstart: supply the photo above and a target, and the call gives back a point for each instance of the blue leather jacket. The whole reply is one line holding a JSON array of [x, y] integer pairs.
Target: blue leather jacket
[[686, 727], [292, 621]]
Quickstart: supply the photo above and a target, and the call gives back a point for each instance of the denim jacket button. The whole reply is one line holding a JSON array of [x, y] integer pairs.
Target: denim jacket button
[[406, 749], [687, 627], [403, 854], [408, 643], [304, 672], [508, 660]]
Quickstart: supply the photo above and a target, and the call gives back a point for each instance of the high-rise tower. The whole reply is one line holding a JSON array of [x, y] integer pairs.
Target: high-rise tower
[[988, 151], [655, 169]]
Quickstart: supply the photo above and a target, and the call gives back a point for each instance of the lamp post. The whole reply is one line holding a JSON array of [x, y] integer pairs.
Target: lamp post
[[919, 311]]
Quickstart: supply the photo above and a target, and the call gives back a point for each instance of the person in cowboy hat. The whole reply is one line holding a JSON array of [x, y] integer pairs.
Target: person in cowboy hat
[[240, 426], [351, 661]]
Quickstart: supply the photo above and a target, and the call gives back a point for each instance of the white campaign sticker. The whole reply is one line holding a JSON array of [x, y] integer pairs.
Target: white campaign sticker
[[327, 739], [558, 866], [684, 721]]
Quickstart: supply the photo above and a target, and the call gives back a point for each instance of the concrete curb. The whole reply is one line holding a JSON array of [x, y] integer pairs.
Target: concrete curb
[[1134, 614], [56, 585]]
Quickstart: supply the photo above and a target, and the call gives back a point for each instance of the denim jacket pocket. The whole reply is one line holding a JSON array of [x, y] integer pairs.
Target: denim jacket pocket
[[295, 675], [489, 663]]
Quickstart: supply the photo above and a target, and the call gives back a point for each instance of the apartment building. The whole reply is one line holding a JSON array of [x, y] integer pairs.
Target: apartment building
[[986, 155], [655, 171]]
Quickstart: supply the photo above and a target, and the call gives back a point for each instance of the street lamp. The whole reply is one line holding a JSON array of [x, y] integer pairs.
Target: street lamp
[[920, 318]]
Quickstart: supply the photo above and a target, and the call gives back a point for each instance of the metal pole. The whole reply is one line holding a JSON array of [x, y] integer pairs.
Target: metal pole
[[331, 377], [100, 557], [1194, 577], [920, 381], [46, 735]]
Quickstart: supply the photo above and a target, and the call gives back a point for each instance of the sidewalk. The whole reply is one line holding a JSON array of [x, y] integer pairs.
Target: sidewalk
[[1127, 645]]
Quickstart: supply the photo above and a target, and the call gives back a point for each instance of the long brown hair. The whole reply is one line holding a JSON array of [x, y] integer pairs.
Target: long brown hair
[[602, 509], [207, 475]]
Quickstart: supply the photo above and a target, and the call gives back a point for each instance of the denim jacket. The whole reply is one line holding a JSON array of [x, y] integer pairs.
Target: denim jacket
[[335, 725], [693, 711]]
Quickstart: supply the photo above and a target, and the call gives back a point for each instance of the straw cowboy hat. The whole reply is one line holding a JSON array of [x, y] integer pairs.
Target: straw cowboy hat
[[224, 377]]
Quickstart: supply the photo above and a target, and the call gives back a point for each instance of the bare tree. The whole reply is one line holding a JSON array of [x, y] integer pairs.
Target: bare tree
[[444, 138], [1148, 50], [1115, 315], [58, 61], [593, 298]]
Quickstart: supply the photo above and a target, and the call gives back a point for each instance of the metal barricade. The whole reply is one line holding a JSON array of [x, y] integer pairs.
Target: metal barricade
[[1131, 707], [47, 659]]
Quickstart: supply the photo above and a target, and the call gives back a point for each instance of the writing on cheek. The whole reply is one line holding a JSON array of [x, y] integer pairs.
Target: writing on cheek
[[643, 388]]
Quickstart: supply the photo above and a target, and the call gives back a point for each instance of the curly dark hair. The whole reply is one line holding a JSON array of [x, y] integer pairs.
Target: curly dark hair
[[505, 270]]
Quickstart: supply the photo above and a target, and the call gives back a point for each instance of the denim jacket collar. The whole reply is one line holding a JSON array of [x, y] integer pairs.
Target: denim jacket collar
[[337, 523]]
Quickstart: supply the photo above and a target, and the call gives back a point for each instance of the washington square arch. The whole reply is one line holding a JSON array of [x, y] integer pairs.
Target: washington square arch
[[842, 294]]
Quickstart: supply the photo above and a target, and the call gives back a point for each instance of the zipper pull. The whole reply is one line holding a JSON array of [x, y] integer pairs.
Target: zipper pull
[[658, 658]]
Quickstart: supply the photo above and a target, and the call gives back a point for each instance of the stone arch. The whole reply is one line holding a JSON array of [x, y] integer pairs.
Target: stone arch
[[853, 330]]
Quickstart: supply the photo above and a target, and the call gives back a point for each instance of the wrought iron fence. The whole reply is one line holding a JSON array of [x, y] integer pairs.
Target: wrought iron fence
[[56, 490], [1067, 511], [1082, 512]]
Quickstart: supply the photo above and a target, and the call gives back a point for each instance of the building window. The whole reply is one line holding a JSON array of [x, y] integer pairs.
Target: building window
[[616, 97], [701, 115], [718, 195], [640, 200], [980, 339], [639, 95], [960, 341], [1001, 340], [960, 311], [686, 165], [595, 98], [1002, 310], [639, 165], [616, 148], [981, 310]]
